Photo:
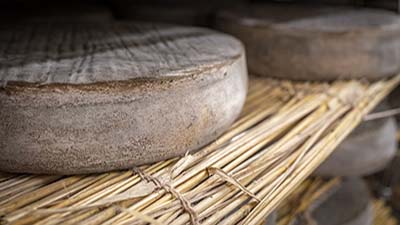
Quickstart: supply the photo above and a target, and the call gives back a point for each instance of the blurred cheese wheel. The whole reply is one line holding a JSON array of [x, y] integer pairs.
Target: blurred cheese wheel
[[271, 219], [98, 97], [350, 204], [310, 42], [368, 149]]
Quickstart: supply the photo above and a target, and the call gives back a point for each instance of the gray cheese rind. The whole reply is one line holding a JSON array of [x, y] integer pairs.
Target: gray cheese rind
[[111, 119]]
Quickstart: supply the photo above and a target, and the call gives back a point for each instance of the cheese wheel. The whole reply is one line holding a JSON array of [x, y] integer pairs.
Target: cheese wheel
[[271, 219], [387, 183], [349, 205], [98, 97], [368, 149], [309, 42]]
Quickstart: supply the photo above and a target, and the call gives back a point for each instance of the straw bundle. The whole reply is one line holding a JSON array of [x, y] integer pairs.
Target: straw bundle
[[285, 131]]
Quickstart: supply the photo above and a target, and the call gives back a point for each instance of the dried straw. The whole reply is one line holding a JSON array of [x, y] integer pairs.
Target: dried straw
[[285, 131]]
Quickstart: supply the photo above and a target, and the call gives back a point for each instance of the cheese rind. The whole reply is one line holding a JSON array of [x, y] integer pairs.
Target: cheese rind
[[96, 123], [298, 42]]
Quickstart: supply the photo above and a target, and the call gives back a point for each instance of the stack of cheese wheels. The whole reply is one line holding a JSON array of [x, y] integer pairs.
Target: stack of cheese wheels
[[98, 97], [309, 42], [368, 149], [349, 204], [315, 42]]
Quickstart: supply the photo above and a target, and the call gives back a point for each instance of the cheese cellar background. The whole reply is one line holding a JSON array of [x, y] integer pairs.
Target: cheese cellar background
[[200, 112]]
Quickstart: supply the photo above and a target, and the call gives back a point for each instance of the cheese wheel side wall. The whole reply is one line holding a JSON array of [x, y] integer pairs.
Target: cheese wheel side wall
[[82, 131], [297, 55]]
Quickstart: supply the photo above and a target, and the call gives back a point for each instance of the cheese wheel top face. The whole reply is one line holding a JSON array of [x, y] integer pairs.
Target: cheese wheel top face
[[96, 53], [314, 18]]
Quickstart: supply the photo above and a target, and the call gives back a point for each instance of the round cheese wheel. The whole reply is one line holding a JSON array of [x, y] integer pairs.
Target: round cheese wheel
[[349, 205], [368, 149], [310, 42], [97, 97], [271, 219]]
